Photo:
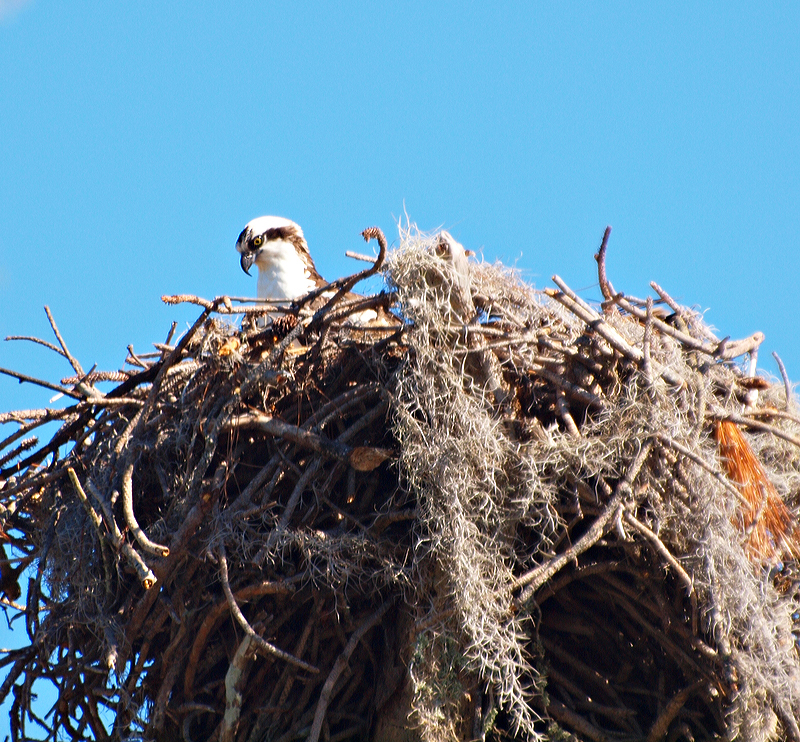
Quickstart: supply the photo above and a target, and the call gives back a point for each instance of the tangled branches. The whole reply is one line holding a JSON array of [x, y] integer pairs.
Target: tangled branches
[[502, 513], [579, 542]]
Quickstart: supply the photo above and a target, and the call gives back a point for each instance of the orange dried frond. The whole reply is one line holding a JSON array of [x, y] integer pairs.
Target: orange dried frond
[[766, 519]]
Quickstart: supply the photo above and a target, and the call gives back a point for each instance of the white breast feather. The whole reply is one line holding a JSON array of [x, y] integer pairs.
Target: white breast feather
[[281, 272]]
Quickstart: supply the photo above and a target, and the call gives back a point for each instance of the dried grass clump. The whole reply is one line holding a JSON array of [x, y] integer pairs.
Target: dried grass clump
[[513, 514]]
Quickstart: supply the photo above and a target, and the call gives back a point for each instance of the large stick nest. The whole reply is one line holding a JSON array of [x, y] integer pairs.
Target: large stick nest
[[511, 515]]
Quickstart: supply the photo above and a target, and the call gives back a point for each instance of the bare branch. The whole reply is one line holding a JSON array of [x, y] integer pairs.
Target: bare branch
[[39, 341], [130, 518], [338, 669], [40, 382], [535, 578], [786, 384], [664, 552], [605, 285], [72, 360], [239, 616]]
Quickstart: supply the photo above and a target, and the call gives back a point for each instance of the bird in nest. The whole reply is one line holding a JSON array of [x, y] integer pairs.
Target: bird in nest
[[286, 271]]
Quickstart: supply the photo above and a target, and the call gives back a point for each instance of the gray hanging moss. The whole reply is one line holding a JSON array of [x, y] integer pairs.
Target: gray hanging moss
[[504, 516]]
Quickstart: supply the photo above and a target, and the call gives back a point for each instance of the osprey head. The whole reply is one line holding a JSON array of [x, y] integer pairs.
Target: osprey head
[[279, 250], [262, 235]]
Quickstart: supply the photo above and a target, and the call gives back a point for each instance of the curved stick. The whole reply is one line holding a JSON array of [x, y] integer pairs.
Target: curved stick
[[600, 257], [531, 581], [143, 572], [787, 387], [339, 667], [130, 518], [345, 284], [262, 644], [659, 546]]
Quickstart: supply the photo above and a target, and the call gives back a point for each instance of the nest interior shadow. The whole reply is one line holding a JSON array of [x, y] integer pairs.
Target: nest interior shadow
[[506, 513]]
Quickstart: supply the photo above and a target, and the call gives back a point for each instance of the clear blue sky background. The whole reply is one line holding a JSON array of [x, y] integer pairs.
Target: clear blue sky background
[[137, 139]]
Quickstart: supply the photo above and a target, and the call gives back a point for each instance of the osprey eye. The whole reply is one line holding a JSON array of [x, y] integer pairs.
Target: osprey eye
[[258, 241]]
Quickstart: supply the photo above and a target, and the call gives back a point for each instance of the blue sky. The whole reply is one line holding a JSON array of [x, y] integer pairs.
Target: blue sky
[[137, 139]]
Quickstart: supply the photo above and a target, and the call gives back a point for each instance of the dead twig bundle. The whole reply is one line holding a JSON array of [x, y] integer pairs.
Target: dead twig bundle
[[511, 514]]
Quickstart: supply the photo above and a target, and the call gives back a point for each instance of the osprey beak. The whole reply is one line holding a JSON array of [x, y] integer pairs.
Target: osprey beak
[[247, 261]]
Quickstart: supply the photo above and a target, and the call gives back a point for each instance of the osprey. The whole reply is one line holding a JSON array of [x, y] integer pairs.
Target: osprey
[[278, 249], [276, 246]]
